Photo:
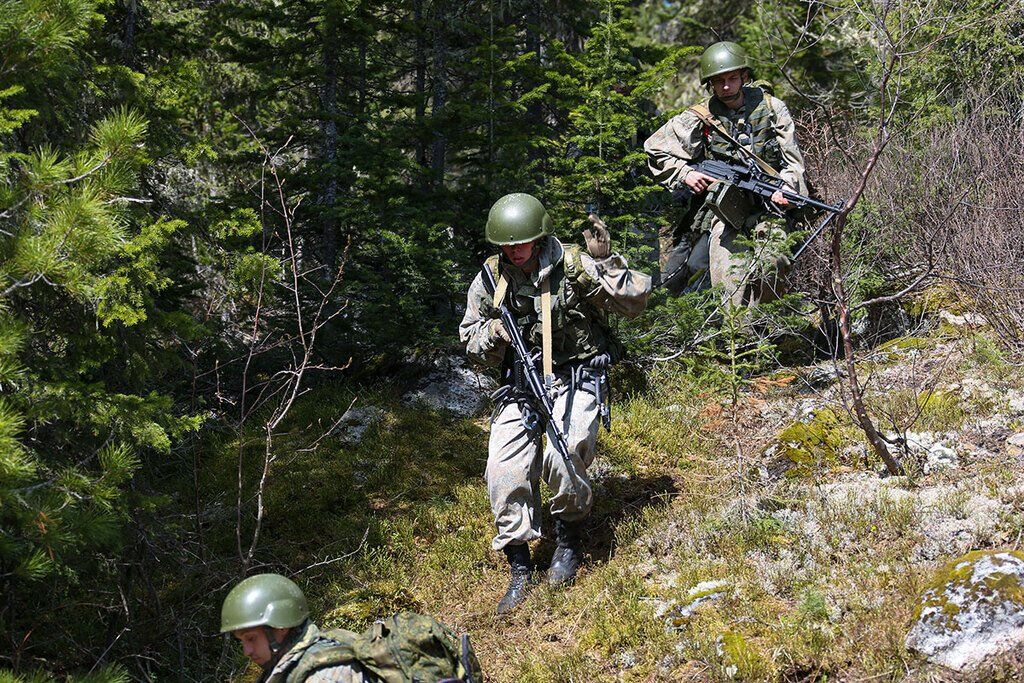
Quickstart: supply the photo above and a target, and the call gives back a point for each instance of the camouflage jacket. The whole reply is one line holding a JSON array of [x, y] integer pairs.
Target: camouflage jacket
[[685, 140], [291, 668], [584, 290]]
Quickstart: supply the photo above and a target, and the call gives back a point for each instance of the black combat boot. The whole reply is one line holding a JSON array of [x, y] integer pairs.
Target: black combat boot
[[568, 554], [520, 567]]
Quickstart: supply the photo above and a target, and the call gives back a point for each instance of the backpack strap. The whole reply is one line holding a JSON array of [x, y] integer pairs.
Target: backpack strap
[[545, 331], [334, 648]]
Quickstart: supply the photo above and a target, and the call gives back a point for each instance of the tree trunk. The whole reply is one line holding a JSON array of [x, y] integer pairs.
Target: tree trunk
[[535, 111], [131, 20], [420, 59], [846, 339], [329, 148], [439, 94]]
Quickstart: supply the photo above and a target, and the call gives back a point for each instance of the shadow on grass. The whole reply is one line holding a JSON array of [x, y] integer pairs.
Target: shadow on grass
[[617, 498]]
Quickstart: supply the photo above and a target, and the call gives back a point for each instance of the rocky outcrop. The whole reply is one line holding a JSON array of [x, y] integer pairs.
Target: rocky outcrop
[[453, 386], [972, 611]]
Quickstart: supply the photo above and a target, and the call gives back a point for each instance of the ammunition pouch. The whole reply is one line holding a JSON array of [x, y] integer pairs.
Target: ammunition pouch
[[733, 206]]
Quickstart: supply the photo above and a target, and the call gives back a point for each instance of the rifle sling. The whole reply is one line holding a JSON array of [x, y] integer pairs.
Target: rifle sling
[[704, 114], [501, 289]]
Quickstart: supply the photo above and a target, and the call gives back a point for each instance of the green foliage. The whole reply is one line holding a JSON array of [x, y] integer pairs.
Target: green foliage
[[607, 93], [83, 354]]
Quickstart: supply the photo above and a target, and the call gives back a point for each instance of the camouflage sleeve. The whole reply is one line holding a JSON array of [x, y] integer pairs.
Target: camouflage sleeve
[[792, 159], [475, 330], [673, 147], [613, 286], [340, 674]]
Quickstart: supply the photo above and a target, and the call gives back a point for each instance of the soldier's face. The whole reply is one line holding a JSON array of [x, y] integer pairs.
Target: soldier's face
[[520, 254], [728, 87], [255, 645]]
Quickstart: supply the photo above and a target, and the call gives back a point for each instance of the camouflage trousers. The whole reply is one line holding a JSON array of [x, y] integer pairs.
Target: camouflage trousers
[[516, 464], [748, 277]]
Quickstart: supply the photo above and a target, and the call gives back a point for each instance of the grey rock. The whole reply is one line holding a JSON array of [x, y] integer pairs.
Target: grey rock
[[454, 387], [1015, 444], [821, 376], [676, 615], [352, 426], [973, 610]]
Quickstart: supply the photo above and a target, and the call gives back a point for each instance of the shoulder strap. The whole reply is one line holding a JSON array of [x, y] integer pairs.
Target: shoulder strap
[[335, 648], [703, 112], [501, 288], [545, 331]]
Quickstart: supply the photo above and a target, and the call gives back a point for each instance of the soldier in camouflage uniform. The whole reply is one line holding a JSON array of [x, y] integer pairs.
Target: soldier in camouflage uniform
[[268, 615], [762, 124], [583, 288]]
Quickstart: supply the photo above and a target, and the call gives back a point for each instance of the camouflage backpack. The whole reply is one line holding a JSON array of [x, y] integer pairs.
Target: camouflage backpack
[[407, 648]]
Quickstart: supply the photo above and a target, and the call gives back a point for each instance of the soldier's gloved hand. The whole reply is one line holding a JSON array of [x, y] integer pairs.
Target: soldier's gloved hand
[[601, 361], [497, 330], [599, 240]]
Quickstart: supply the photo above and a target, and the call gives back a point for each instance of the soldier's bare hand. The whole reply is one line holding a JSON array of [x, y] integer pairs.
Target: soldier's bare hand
[[497, 329], [599, 240], [779, 199], [698, 182]]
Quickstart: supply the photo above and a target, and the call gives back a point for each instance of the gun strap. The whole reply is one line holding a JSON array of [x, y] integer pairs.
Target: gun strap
[[704, 114], [500, 289], [545, 330]]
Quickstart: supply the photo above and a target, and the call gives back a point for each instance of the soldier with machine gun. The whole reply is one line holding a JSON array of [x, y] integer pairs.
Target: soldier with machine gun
[[748, 128]]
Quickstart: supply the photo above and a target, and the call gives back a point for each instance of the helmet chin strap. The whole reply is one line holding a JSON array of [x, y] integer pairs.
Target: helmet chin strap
[[275, 647]]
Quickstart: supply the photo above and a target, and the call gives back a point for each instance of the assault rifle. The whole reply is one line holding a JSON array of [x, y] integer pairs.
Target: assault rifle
[[751, 178], [527, 377]]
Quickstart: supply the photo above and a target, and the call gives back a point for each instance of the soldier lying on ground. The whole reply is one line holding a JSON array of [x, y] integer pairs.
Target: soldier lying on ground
[[268, 615]]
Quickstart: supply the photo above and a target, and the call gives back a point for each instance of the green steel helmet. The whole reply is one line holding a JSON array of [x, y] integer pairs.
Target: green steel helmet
[[263, 600], [517, 218], [720, 58]]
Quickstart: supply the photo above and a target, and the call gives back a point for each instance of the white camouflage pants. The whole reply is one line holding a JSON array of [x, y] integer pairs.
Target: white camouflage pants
[[514, 469]]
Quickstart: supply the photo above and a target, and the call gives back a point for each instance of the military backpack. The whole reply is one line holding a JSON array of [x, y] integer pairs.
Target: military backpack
[[407, 648]]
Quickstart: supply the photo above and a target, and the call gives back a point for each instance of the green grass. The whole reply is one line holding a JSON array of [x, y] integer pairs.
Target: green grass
[[407, 512]]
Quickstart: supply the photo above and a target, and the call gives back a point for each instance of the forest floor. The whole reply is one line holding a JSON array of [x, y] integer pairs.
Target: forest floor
[[754, 540]]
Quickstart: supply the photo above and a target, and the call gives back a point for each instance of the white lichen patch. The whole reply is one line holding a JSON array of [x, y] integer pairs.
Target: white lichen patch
[[454, 387], [973, 610]]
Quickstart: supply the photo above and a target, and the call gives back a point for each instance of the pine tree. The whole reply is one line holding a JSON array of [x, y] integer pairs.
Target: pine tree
[[597, 161], [81, 325]]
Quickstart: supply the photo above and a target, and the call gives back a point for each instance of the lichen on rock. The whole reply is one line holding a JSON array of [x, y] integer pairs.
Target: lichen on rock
[[972, 610]]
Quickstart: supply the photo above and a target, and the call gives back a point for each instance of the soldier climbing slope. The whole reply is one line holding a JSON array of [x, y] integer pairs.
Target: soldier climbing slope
[[556, 298], [744, 124]]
